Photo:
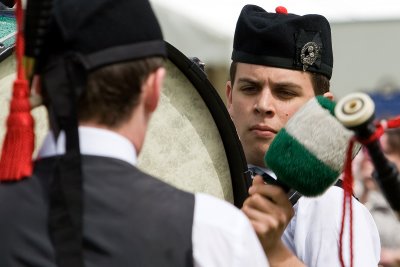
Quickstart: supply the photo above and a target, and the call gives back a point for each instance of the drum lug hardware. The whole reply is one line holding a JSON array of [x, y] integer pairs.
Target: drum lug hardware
[[198, 62]]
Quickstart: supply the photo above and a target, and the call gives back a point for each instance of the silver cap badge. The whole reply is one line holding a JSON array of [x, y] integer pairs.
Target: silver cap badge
[[309, 54]]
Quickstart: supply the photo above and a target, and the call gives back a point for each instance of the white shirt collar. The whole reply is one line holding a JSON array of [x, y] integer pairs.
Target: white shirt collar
[[92, 141]]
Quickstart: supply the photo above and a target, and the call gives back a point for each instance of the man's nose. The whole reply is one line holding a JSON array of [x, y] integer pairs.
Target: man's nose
[[264, 104]]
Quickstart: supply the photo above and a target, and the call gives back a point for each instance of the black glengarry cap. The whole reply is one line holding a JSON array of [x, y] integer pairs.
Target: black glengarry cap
[[106, 31], [283, 40]]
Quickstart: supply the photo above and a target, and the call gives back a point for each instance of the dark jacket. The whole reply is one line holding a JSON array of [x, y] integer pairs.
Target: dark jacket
[[130, 218]]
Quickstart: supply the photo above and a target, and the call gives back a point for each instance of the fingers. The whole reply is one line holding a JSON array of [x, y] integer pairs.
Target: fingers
[[259, 207], [269, 220], [268, 205], [262, 222], [275, 193]]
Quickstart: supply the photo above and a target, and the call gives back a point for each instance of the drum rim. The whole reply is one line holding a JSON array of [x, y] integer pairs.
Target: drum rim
[[233, 148]]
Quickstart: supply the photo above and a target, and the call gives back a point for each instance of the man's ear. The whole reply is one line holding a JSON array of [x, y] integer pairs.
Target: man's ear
[[228, 93], [328, 95], [153, 86]]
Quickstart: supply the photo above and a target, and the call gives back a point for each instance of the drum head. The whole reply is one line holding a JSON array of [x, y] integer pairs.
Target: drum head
[[191, 142]]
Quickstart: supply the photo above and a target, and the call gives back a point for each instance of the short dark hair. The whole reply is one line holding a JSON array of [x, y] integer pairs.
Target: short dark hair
[[112, 92], [319, 82]]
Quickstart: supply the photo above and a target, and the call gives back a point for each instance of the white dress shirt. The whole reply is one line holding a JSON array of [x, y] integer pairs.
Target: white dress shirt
[[313, 233], [222, 236]]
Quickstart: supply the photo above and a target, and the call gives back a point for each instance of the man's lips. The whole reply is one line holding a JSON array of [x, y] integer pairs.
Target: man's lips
[[263, 130]]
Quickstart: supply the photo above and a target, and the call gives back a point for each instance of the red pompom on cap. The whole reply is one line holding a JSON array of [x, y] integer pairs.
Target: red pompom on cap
[[281, 10]]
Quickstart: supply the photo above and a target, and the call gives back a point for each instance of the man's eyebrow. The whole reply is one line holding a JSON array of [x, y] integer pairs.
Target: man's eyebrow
[[287, 85], [249, 81]]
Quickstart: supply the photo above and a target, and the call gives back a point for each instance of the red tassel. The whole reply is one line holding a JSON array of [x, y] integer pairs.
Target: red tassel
[[16, 155]]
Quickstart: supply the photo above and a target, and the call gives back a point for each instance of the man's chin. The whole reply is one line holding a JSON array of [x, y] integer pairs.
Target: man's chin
[[255, 157]]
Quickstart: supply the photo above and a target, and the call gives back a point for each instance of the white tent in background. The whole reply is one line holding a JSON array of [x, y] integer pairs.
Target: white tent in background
[[366, 34]]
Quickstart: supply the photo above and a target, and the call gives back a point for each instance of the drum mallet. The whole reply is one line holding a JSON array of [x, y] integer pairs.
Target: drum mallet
[[308, 153]]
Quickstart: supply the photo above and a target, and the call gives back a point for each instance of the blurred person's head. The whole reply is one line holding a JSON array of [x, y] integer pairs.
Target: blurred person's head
[[391, 145], [279, 62], [362, 172], [363, 166]]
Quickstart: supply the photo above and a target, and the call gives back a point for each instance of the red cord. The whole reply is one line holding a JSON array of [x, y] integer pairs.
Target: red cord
[[348, 181], [20, 41], [347, 202], [380, 129], [393, 123]]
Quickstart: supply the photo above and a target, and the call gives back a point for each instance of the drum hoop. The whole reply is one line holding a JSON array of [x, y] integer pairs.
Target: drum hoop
[[233, 148]]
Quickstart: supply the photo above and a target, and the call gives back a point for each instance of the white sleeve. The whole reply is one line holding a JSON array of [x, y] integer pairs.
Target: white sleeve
[[315, 232], [222, 236]]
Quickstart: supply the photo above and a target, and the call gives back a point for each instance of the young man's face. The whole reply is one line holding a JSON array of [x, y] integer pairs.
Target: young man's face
[[260, 103]]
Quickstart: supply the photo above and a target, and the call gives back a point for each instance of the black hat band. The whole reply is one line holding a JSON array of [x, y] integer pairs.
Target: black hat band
[[278, 62], [124, 53]]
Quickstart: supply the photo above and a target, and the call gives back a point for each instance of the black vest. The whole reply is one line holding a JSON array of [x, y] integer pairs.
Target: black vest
[[130, 218]]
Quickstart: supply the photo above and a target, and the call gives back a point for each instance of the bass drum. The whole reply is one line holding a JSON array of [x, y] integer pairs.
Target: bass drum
[[191, 142]]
